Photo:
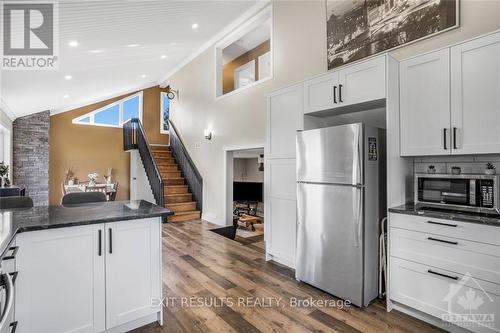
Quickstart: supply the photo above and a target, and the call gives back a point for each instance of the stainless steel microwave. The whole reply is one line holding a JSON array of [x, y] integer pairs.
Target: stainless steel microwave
[[473, 193]]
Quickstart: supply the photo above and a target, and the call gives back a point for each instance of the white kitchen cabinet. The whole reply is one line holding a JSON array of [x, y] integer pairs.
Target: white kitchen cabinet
[[132, 270], [363, 82], [351, 84], [281, 210], [475, 95], [425, 104], [284, 118], [89, 279], [50, 297], [435, 264]]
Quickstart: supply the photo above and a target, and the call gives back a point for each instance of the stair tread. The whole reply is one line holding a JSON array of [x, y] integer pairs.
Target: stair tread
[[188, 212], [177, 195], [181, 203], [175, 186]]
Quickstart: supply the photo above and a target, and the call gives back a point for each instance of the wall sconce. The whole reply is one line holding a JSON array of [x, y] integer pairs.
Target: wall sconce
[[208, 134], [171, 93]]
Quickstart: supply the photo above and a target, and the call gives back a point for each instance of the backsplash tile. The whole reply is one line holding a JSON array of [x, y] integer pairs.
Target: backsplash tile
[[468, 164]]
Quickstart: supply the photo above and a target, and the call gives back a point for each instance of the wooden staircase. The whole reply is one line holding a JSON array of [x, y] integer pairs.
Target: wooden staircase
[[177, 195]]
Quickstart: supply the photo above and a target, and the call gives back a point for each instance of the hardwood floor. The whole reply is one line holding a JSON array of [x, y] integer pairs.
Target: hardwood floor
[[212, 284]]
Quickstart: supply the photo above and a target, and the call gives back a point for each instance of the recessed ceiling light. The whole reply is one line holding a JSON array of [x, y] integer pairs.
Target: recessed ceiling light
[[132, 45], [73, 43], [66, 96], [143, 76], [68, 77], [164, 56], [96, 51], [194, 26]]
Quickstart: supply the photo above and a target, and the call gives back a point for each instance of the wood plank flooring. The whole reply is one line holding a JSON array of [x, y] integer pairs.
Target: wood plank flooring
[[214, 284]]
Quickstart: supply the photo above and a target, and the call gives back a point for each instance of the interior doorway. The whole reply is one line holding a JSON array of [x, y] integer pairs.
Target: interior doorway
[[244, 192]]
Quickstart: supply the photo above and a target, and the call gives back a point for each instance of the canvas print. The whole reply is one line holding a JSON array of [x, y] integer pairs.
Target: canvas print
[[360, 28]]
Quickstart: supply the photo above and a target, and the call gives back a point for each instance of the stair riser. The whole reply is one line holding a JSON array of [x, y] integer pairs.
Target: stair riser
[[171, 174], [166, 160], [179, 198], [162, 155], [168, 168], [184, 218], [160, 148], [182, 207], [173, 182], [175, 190]]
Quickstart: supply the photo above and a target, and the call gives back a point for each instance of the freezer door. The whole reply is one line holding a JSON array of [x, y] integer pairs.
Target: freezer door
[[331, 155], [330, 239]]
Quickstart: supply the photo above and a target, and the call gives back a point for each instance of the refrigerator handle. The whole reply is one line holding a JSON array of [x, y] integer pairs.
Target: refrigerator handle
[[358, 217]]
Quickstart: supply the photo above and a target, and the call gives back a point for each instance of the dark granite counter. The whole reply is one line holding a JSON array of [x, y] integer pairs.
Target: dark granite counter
[[411, 209], [13, 221]]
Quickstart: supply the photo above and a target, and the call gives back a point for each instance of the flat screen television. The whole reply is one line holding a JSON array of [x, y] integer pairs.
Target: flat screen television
[[247, 191]]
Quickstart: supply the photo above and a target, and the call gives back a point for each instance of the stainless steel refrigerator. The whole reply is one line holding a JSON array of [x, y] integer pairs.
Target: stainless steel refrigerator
[[341, 199]]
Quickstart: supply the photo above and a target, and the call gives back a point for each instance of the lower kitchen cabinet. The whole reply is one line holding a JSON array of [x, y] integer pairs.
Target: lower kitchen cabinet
[[87, 279], [281, 210], [448, 270], [132, 270]]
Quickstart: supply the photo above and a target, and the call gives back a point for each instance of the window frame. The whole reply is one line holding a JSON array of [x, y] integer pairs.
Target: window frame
[[120, 103], [242, 30], [162, 95], [242, 68]]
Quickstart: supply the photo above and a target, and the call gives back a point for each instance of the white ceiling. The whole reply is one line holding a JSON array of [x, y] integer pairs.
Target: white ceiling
[[159, 27]]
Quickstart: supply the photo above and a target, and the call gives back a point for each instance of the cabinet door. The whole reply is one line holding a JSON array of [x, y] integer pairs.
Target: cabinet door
[[60, 284], [425, 105], [284, 119], [319, 93], [362, 82], [475, 95], [281, 215], [133, 262]]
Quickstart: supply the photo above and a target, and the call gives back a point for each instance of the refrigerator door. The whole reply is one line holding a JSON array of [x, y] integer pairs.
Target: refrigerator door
[[331, 155], [330, 239]]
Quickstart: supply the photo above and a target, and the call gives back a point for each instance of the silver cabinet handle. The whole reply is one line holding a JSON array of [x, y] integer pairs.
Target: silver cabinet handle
[[9, 292]]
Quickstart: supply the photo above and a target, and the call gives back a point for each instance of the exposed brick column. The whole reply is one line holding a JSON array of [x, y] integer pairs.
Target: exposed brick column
[[31, 155]]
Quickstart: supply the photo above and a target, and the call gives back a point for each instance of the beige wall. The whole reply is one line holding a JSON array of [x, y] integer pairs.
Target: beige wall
[[89, 149], [299, 47]]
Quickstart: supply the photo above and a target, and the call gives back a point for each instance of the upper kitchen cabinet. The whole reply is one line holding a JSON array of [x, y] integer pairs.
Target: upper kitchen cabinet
[[449, 100], [284, 118], [425, 104], [352, 84], [475, 95]]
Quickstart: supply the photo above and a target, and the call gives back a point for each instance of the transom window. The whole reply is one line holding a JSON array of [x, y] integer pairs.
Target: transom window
[[165, 113], [114, 114]]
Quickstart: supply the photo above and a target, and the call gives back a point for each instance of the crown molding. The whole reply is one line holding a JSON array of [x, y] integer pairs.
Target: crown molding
[[261, 4]]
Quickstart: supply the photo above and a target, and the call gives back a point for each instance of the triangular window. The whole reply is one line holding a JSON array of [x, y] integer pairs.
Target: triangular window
[[114, 114]]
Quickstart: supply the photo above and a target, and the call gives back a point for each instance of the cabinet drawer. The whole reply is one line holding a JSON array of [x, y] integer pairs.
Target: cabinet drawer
[[465, 301], [463, 230], [478, 259]]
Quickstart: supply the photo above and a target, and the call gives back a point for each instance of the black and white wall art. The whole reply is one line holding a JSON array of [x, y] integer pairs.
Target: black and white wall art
[[360, 28]]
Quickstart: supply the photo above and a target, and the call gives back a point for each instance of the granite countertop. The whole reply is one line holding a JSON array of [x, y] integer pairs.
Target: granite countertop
[[14, 221], [411, 209]]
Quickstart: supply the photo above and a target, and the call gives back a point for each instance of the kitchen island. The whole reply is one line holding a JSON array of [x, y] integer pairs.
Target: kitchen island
[[84, 268]]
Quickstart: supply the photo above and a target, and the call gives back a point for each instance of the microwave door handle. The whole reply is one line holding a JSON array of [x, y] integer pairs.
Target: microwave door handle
[[450, 194], [9, 294]]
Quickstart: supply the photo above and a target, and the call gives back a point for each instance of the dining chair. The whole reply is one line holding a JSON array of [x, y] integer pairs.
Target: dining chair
[[89, 188], [82, 197], [112, 196], [15, 202]]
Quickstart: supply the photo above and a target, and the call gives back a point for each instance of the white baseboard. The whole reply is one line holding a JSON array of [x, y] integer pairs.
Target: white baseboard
[[212, 218], [135, 324], [281, 260], [428, 318]]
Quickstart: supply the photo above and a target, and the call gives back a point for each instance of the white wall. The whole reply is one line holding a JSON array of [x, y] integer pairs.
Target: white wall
[[247, 170], [299, 46]]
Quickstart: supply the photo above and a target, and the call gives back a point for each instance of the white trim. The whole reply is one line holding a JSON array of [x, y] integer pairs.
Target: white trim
[[119, 103], [261, 59], [7, 110], [162, 95], [103, 99], [244, 28], [221, 34], [237, 71], [228, 178]]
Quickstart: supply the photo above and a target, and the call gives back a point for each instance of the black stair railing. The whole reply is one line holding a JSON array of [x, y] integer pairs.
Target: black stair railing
[[187, 166], [134, 137]]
